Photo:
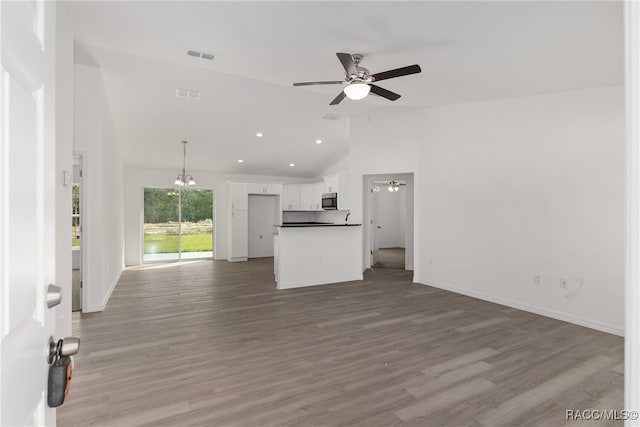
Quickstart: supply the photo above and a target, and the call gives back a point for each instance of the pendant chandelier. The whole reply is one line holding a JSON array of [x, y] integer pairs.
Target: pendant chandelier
[[183, 179]]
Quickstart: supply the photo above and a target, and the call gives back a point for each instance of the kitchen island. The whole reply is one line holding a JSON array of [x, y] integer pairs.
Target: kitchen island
[[309, 254]]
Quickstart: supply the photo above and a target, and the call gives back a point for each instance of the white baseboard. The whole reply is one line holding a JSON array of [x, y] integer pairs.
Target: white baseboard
[[238, 259], [328, 281], [525, 307], [105, 299]]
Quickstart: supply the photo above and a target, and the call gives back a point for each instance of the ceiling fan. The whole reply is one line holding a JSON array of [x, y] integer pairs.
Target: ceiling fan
[[358, 81], [392, 185]]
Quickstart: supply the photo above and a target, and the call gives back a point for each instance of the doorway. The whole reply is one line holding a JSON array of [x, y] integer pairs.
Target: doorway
[[389, 221], [77, 245], [178, 224]]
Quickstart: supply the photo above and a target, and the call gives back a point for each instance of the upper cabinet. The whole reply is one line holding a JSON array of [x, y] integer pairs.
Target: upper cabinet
[[331, 183], [239, 198], [302, 197], [316, 195], [271, 189], [339, 183], [306, 198], [291, 198]]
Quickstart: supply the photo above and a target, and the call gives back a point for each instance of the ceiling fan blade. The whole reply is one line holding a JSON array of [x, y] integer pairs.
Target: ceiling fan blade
[[336, 82], [347, 62], [398, 72], [391, 96], [338, 98]]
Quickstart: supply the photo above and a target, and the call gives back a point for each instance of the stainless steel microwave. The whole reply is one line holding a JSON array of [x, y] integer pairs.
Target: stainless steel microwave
[[330, 201]]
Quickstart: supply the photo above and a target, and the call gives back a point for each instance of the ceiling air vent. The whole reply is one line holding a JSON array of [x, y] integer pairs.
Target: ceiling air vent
[[331, 116], [187, 93], [198, 54]]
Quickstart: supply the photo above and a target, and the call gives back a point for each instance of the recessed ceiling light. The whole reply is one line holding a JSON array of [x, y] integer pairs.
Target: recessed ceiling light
[[259, 134], [240, 161], [318, 141], [292, 164]]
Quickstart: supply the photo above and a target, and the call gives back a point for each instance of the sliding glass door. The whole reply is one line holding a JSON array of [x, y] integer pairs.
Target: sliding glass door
[[178, 224], [197, 223]]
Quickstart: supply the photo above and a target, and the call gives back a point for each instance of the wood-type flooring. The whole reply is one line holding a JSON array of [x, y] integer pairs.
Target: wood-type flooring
[[212, 343]]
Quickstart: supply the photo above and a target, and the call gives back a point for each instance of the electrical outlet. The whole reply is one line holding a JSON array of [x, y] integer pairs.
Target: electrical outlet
[[563, 283], [536, 279]]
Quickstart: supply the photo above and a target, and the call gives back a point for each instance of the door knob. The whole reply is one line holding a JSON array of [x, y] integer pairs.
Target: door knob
[[54, 295], [63, 347], [70, 346]]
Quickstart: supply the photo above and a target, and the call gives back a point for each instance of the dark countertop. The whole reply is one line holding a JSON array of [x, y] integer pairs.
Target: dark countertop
[[315, 224]]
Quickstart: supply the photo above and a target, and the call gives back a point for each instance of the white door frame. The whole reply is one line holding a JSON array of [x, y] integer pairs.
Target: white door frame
[[632, 253], [367, 208], [83, 227]]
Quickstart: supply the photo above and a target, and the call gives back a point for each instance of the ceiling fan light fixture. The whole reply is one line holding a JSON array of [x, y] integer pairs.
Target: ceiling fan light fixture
[[357, 91], [394, 186]]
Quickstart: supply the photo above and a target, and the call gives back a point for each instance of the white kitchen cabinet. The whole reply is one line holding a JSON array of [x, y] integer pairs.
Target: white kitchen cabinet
[[316, 195], [306, 198], [259, 188], [239, 237], [239, 197], [331, 183], [291, 198], [339, 183]]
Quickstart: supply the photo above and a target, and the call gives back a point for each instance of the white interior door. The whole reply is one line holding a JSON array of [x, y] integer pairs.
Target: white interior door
[[27, 178], [262, 218]]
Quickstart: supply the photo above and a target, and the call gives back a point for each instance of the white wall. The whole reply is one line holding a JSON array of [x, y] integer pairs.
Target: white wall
[[528, 186], [64, 148], [339, 165], [387, 144], [103, 235], [263, 214], [138, 178], [509, 189]]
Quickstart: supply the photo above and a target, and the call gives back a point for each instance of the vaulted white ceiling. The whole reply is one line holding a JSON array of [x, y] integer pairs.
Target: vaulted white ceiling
[[468, 51]]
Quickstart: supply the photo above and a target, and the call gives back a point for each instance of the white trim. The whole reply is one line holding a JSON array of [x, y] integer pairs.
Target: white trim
[[525, 307], [632, 249], [305, 283], [105, 300], [238, 259]]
